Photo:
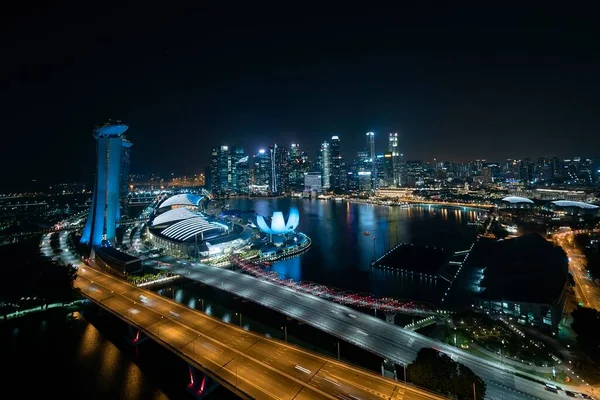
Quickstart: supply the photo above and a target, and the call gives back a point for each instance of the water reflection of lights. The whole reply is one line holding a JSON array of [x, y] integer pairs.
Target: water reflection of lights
[[133, 382], [91, 341], [110, 358]]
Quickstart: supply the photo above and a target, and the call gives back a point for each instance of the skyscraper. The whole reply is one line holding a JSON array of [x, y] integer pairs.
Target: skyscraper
[[295, 175], [336, 163], [371, 151], [326, 165], [279, 169], [241, 171], [393, 150], [102, 219], [262, 169], [125, 169]]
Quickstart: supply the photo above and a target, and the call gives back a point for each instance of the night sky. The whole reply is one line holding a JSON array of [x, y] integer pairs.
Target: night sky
[[454, 83]]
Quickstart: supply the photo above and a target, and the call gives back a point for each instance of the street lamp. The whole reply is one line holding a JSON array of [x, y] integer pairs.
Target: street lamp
[[285, 332], [240, 319], [202, 304]]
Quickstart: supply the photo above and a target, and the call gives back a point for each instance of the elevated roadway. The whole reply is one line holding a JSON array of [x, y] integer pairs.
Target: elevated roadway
[[249, 364], [365, 331]]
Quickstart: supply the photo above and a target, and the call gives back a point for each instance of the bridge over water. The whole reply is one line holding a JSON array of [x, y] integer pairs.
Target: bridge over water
[[248, 364]]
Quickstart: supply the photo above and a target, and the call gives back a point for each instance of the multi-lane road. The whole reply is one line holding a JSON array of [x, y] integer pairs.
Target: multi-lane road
[[587, 293], [375, 335], [370, 333], [257, 366]]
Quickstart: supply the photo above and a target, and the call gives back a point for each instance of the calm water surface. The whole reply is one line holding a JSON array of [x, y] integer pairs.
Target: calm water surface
[[341, 253]]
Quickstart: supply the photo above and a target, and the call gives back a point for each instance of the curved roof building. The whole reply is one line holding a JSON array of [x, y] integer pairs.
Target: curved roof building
[[579, 204], [183, 200], [278, 224], [188, 228], [177, 214], [517, 200]]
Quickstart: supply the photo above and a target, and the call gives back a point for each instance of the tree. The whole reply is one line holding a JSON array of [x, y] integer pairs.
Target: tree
[[438, 372], [586, 324]]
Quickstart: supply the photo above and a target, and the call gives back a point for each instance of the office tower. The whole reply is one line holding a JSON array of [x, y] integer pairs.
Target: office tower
[[124, 178], [326, 165], [395, 154], [295, 168], [380, 180], [389, 177], [336, 163], [102, 219], [240, 171], [229, 170], [279, 169], [313, 182], [262, 169], [371, 152], [221, 174], [214, 170]]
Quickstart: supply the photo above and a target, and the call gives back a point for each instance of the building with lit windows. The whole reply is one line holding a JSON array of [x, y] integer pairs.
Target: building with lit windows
[[524, 278], [183, 230], [279, 169], [262, 169], [313, 182], [395, 159], [101, 224], [336, 164], [370, 148], [326, 165]]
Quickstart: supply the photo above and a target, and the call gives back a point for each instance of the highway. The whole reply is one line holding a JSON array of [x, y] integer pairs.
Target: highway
[[587, 293], [365, 331], [370, 333], [257, 366]]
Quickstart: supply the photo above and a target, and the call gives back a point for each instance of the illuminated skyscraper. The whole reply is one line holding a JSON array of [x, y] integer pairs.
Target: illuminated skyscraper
[[326, 165], [371, 151], [262, 169], [102, 220], [336, 163], [393, 150], [125, 169]]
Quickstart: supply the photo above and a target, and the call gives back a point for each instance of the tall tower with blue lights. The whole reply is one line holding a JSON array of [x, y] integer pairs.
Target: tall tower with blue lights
[[101, 223]]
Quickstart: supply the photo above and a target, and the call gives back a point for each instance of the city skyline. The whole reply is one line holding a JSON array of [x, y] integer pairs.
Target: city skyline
[[454, 85]]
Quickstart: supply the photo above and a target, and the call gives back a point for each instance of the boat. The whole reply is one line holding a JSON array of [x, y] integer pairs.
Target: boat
[[366, 233]]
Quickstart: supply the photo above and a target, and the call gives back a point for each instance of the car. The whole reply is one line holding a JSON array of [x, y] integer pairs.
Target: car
[[569, 393]]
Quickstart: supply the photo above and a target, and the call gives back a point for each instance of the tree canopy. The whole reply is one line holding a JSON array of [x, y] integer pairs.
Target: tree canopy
[[586, 324], [26, 274], [436, 371]]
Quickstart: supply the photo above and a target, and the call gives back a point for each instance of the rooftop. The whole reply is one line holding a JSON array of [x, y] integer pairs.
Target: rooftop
[[524, 269], [517, 199], [110, 129], [567, 203], [176, 214], [185, 199], [113, 254]]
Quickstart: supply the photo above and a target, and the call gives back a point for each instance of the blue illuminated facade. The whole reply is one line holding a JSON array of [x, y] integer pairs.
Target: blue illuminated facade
[[100, 227], [278, 225]]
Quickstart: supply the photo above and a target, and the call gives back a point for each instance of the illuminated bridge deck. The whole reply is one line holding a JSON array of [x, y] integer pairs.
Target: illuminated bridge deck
[[249, 364]]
